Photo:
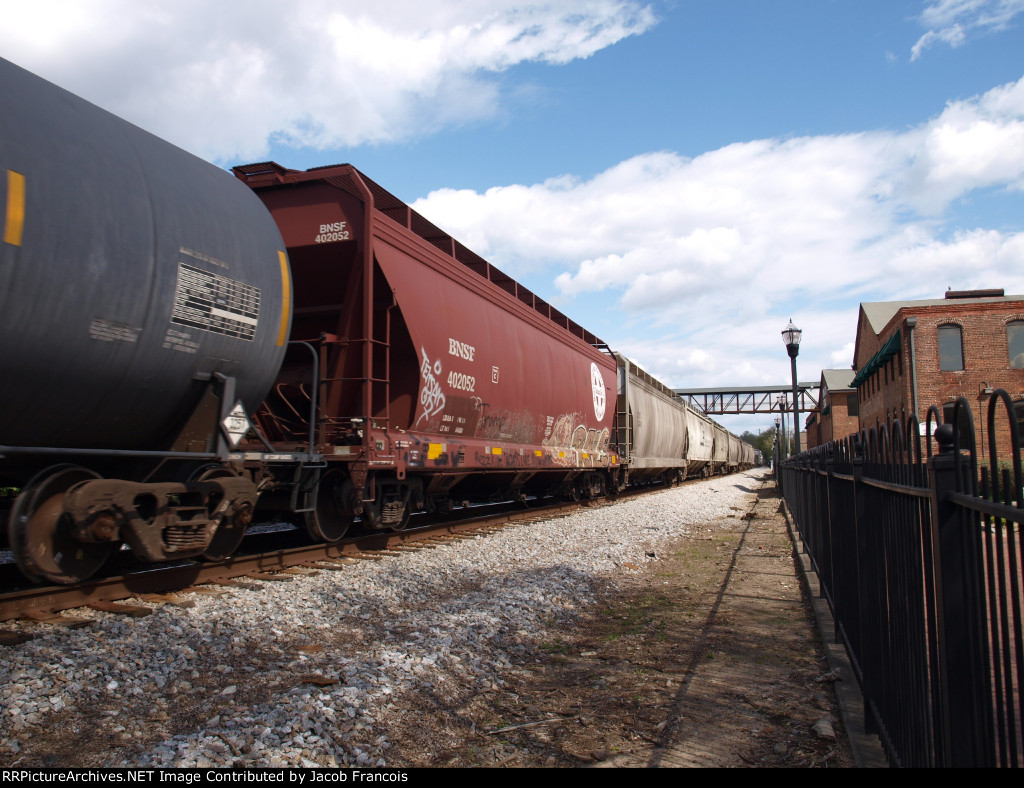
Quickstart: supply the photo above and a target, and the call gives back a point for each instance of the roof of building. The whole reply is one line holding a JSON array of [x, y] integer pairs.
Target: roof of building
[[838, 379], [879, 313]]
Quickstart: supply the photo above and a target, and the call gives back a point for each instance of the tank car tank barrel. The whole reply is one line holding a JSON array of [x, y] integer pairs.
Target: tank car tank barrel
[[121, 307], [144, 295]]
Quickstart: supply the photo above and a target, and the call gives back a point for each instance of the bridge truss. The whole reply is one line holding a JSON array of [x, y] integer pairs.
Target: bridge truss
[[750, 399]]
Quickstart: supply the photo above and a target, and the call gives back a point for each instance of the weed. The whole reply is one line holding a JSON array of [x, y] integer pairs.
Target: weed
[[554, 647]]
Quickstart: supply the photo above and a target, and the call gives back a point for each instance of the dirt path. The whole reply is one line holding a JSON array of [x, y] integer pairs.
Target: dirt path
[[709, 659]]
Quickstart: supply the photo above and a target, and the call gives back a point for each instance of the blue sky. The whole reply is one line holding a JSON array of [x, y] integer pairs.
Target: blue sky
[[681, 177]]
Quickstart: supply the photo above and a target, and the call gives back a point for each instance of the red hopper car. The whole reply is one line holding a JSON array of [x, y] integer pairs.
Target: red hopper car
[[421, 374]]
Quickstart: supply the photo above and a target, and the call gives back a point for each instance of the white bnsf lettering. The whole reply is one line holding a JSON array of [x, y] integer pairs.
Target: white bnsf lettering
[[460, 349], [333, 231]]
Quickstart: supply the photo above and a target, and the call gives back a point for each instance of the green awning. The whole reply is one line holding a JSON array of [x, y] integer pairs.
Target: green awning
[[877, 361]]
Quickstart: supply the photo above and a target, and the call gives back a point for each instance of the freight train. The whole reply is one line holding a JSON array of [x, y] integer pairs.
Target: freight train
[[185, 350]]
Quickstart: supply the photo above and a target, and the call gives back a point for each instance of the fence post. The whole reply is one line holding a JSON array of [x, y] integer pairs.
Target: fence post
[[964, 697]]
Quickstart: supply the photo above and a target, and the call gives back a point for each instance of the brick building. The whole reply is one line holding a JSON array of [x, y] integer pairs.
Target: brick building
[[836, 414], [910, 355], [813, 429]]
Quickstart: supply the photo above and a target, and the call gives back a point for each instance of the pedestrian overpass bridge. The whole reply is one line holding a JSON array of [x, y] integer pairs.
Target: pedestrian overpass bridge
[[750, 399]]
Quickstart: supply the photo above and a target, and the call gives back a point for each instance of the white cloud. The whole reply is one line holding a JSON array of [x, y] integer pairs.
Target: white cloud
[[721, 249], [973, 144], [223, 79], [950, 21], [842, 358]]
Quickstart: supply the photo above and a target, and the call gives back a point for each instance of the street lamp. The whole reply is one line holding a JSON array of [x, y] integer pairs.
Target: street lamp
[[791, 336], [783, 407]]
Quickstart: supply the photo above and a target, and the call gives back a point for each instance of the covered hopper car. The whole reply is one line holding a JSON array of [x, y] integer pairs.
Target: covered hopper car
[[438, 379], [187, 350]]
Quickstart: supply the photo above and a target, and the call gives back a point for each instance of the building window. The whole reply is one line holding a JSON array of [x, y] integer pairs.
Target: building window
[[1015, 341], [1018, 412], [951, 348], [851, 405]]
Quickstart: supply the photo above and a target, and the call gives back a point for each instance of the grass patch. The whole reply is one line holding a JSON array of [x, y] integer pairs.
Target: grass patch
[[554, 647]]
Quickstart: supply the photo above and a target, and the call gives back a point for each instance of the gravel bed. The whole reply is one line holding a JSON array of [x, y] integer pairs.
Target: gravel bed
[[313, 671]]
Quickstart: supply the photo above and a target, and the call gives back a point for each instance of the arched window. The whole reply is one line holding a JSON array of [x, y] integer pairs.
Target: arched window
[[951, 348], [1015, 342]]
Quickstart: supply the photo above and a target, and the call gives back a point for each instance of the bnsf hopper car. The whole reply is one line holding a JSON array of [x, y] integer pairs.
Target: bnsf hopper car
[[440, 378], [185, 349]]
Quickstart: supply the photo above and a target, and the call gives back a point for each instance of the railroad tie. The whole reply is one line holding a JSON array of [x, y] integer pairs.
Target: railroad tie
[[58, 620], [273, 578], [10, 638], [135, 611]]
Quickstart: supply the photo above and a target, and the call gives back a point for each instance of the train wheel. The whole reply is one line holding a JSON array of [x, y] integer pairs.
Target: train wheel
[[329, 521], [40, 532], [229, 534]]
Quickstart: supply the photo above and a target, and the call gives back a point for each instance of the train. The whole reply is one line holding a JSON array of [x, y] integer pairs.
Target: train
[[188, 349]]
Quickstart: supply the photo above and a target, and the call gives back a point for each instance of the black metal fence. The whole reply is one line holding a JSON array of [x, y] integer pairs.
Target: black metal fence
[[920, 558]]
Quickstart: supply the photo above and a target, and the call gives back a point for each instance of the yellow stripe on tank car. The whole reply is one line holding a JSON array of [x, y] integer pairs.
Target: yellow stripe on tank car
[[286, 299], [496, 450], [435, 450], [15, 222]]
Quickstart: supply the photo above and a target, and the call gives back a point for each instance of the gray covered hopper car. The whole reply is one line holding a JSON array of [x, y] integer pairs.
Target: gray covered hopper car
[[651, 426]]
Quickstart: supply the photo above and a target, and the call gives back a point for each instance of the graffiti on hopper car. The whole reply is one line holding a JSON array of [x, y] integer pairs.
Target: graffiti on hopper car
[[431, 397]]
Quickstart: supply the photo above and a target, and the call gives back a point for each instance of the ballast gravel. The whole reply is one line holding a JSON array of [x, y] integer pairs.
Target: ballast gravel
[[313, 672]]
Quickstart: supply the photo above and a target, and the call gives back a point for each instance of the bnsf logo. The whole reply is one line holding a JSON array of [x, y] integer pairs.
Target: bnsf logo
[[460, 349], [335, 231]]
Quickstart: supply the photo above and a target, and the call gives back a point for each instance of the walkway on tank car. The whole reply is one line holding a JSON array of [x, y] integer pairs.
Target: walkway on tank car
[[748, 686]]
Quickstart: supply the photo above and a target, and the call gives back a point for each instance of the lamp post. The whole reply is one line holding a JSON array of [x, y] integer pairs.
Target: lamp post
[[791, 336], [783, 407]]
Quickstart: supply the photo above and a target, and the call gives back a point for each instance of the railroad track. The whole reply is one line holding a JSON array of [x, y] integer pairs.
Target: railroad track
[[45, 604], [169, 583]]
